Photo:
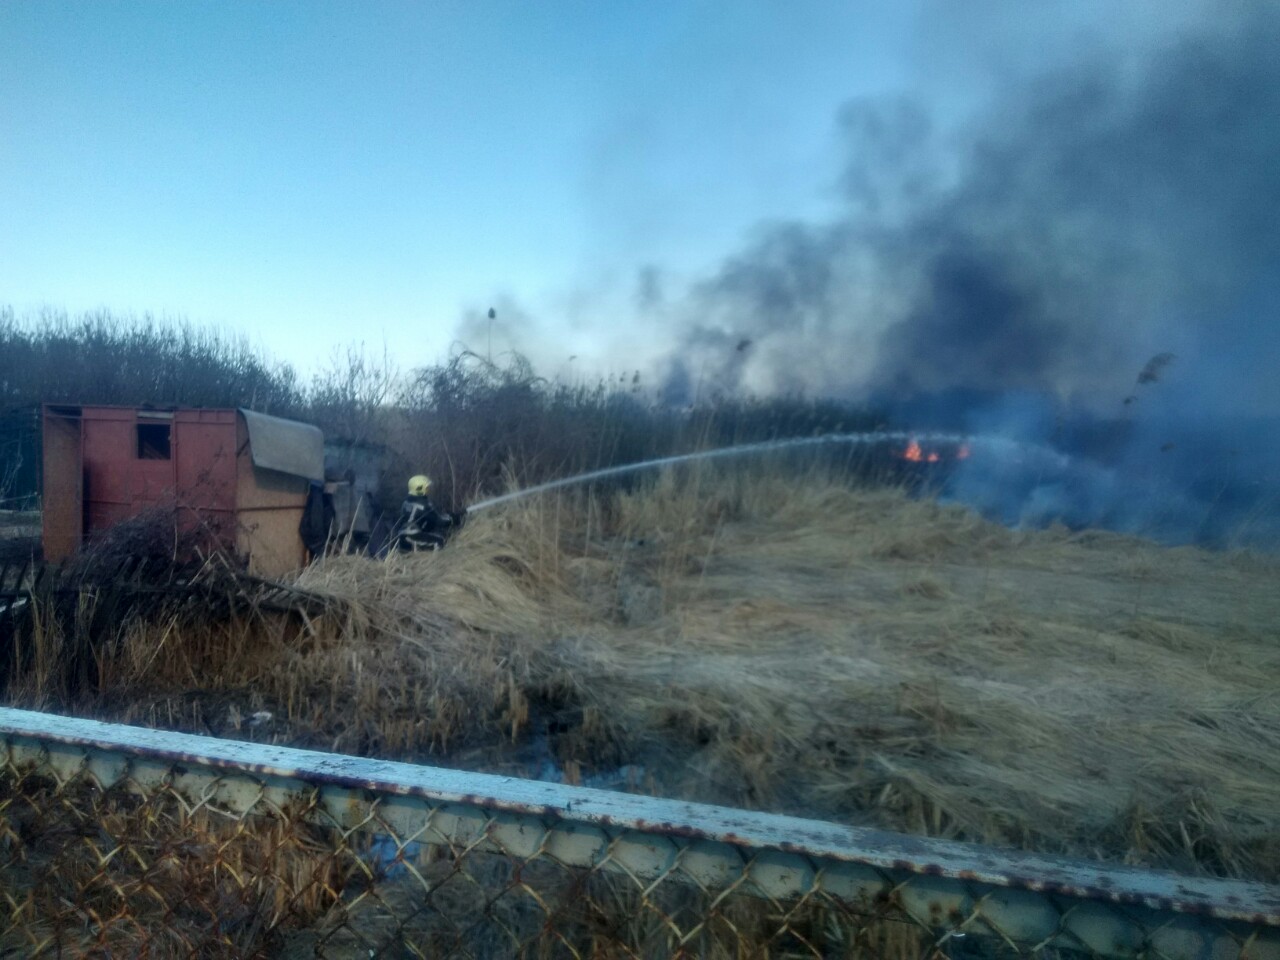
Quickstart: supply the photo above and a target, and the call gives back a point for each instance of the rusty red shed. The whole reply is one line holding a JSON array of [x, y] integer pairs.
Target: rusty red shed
[[241, 476]]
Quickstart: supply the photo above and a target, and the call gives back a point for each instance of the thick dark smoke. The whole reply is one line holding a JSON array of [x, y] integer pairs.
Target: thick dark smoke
[[1020, 276]]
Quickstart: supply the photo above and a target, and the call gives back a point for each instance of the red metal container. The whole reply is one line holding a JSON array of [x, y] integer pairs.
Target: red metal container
[[242, 477]]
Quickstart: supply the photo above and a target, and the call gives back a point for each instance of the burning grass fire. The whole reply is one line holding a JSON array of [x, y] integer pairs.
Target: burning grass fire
[[782, 641], [935, 452]]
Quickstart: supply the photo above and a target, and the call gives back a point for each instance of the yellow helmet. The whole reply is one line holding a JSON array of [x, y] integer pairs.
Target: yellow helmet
[[419, 485]]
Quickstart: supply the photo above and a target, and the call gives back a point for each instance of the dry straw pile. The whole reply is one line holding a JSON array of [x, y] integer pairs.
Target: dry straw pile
[[791, 644]]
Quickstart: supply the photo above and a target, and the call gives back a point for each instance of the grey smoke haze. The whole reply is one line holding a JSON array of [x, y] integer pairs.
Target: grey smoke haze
[[1014, 276], [1093, 217]]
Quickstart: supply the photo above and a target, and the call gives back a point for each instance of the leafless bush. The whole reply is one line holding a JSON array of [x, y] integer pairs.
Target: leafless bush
[[106, 358], [470, 422], [154, 539], [477, 425], [352, 396]]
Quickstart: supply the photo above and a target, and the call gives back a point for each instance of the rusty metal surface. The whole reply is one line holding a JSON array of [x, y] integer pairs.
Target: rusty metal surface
[[785, 856], [95, 476], [204, 460], [117, 484], [62, 514]]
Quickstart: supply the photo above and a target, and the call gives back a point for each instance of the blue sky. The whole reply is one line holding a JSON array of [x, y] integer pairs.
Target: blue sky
[[314, 174]]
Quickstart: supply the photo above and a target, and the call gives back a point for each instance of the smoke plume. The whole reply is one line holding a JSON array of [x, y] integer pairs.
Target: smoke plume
[[1094, 264]]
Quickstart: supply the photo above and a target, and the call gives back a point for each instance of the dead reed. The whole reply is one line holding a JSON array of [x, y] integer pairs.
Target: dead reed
[[788, 643]]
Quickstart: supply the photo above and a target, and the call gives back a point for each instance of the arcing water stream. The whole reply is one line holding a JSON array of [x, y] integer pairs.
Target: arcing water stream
[[865, 439], [1020, 483]]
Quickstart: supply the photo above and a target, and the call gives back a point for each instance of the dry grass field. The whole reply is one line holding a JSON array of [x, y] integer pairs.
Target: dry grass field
[[786, 643]]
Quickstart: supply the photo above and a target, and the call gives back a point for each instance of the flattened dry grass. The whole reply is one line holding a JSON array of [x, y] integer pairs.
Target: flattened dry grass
[[791, 645]]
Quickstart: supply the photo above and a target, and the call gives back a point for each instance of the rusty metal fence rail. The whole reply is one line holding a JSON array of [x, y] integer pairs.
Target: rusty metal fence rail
[[120, 841]]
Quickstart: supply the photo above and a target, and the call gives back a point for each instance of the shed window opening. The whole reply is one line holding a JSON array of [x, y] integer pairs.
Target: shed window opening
[[153, 441]]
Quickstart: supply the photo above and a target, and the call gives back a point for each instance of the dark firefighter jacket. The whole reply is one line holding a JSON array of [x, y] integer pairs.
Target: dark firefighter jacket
[[421, 523]]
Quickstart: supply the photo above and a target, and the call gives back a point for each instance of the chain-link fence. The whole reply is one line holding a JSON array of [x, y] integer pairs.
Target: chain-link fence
[[120, 841]]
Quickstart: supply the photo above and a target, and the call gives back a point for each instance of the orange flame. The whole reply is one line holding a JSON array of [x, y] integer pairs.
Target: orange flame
[[914, 453]]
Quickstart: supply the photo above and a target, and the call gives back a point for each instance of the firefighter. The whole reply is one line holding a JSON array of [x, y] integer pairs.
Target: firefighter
[[420, 525]]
